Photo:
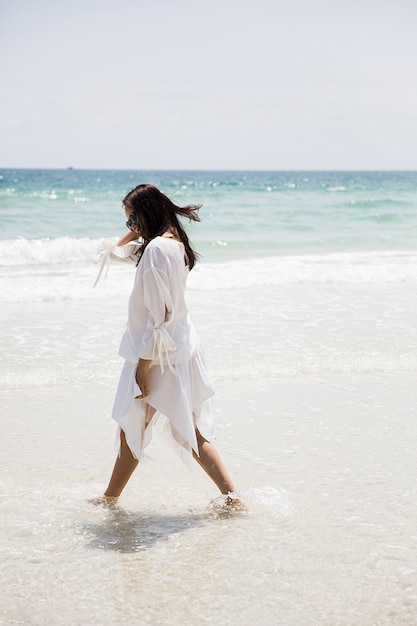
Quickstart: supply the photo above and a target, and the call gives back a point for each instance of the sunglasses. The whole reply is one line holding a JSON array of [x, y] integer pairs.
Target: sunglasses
[[131, 223]]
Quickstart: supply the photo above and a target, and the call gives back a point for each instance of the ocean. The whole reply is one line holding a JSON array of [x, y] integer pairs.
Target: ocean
[[304, 299]]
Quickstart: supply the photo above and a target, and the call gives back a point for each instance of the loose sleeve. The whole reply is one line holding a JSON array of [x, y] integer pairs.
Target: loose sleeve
[[158, 344], [122, 254]]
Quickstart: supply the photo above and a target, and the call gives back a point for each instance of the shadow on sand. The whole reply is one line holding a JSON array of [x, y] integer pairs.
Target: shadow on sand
[[124, 531]]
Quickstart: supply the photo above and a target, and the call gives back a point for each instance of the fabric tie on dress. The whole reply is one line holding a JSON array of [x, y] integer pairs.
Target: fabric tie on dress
[[163, 345], [124, 254], [105, 263]]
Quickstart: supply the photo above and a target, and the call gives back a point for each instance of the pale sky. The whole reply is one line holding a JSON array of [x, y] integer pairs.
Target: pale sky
[[219, 84]]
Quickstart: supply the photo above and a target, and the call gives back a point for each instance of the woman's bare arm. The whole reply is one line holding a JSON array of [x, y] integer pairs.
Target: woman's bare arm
[[127, 238]]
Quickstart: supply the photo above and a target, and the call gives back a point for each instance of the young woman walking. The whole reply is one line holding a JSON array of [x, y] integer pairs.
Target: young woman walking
[[164, 376]]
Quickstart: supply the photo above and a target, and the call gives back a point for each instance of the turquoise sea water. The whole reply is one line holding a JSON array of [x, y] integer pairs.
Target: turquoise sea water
[[258, 228], [243, 213]]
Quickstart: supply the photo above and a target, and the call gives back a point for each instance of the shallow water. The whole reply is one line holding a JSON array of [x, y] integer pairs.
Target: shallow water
[[246, 333], [315, 413], [326, 467]]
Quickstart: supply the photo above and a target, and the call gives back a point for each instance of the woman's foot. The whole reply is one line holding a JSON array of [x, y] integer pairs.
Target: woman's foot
[[234, 503], [108, 501]]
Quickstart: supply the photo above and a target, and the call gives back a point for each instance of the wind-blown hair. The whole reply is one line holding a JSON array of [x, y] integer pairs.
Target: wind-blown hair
[[154, 213]]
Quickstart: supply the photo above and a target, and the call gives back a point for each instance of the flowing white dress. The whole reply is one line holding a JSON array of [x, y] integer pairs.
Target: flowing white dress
[[159, 329]]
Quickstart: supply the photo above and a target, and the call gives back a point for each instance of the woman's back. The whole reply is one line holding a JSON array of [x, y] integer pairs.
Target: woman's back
[[157, 306]]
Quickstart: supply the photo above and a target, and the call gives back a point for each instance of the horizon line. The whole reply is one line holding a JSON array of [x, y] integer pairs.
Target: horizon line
[[120, 169]]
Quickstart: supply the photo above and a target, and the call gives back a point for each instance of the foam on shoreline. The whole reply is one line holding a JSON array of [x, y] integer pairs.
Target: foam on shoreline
[[64, 269]]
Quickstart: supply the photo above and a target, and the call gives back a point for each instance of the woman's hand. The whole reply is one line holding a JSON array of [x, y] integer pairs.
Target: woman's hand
[[142, 378], [128, 237]]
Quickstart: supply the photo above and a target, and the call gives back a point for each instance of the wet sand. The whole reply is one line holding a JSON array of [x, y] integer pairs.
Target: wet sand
[[326, 465]]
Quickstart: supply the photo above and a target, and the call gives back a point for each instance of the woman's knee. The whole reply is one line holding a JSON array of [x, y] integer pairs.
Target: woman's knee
[[200, 439]]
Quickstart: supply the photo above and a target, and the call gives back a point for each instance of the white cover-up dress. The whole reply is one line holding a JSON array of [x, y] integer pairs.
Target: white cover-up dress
[[159, 329]]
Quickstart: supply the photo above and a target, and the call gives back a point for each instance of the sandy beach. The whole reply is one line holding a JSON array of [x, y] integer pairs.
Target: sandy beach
[[327, 467]]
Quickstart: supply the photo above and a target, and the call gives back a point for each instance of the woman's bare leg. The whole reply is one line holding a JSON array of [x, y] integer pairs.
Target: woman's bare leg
[[124, 467], [211, 463]]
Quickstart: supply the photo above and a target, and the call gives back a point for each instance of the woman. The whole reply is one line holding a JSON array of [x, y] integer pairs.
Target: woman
[[164, 376]]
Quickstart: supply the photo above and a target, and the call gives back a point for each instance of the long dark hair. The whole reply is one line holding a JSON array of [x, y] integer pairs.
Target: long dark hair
[[154, 213]]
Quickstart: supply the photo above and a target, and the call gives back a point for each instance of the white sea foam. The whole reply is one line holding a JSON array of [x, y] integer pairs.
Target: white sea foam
[[64, 269], [21, 252], [338, 268], [270, 498]]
